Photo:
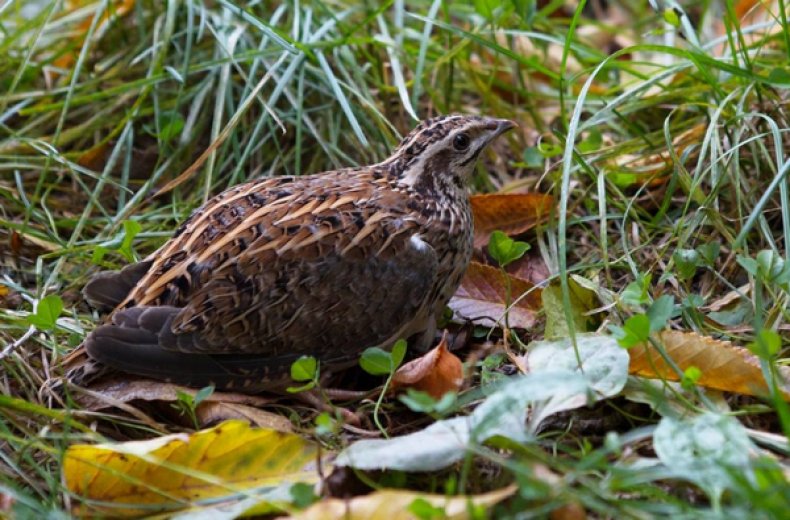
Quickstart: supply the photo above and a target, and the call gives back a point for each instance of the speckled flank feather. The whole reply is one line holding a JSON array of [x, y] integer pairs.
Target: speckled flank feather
[[323, 265]]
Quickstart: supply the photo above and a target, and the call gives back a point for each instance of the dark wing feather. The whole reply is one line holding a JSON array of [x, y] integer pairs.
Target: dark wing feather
[[132, 343], [109, 288]]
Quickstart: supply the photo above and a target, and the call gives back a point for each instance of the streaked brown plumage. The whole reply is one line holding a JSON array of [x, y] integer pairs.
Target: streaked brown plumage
[[323, 265]]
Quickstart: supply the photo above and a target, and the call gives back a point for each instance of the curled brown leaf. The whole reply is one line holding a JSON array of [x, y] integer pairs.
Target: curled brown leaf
[[436, 373]]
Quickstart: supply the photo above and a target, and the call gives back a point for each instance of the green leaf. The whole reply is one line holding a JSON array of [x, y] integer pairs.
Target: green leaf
[[325, 424], [690, 377], [767, 345], [749, 264], [779, 75], [130, 230], [504, 249], [203, 394], [398, 353], [424, 510], [549, 150], [422, 402], [635, 331], [47, 312], [170, 124], [660, 312], [533, 158], [376, 361], [671, 17], [592, 142], [687, 261], [635, 293], [98, 254], [304, 369], [302, 494], [709, 252]]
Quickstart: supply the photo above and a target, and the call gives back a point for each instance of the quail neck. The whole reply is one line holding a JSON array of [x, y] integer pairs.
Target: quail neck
[[324, 265]]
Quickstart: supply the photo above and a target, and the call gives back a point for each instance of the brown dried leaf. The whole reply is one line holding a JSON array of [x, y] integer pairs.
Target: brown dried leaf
[[104, 394], [436, 373], [481, 298], [530, 267], [512, 213], [724, 366], [210, 413]]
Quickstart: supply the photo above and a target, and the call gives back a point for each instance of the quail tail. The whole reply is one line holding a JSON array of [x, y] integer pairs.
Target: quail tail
[[109, 288], [132, 344]]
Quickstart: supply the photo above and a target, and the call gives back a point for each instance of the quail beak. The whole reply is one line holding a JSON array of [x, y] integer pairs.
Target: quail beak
[[499, 127]]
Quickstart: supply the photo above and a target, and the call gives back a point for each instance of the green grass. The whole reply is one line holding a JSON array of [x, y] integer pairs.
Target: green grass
[[101, 108]]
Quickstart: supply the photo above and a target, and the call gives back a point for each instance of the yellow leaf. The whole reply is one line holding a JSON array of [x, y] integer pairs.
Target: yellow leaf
[[178, 471], [724, 366], [512, 213], [394, 505], [481, 298]]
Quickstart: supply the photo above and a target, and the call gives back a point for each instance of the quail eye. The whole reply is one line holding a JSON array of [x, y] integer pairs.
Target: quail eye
[[461, 142]]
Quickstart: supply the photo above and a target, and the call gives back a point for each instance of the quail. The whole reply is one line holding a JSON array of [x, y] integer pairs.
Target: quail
[[324, 265]]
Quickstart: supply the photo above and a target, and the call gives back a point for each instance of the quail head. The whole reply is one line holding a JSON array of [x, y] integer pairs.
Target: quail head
[[324, 265]]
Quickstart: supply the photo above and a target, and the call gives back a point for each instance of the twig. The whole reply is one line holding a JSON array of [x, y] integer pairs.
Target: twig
[[13, 346]]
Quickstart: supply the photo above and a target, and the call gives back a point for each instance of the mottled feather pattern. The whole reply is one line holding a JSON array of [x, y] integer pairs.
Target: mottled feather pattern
[[323, 265]]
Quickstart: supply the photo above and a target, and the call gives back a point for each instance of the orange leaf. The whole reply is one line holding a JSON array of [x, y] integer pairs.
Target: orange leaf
[[114, 10], [724, 366], [481, 298], [436, 373], [512, 213]]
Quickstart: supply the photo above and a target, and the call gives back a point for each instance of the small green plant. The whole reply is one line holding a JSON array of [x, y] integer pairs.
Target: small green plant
[[304, 370], [47, 312], [302, 494], [122, 243], [504, 249], [379, 362], [422, 402], [637, 328], [424, 510], [187, 403]]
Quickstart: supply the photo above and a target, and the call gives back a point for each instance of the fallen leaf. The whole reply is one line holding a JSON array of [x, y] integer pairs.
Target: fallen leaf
[[582, 301], [210, 413], [481, 298], [555, 383], [398, 504], [173, 472], [724, 366], [436, 373], [103, 394], [512, 213], [530, 267], [707, 449], [116, 9]]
